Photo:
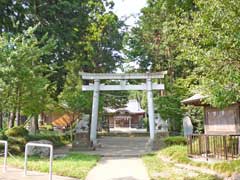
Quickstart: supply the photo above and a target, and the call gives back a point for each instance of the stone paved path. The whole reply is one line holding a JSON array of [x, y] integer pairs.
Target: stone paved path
[[121, 159], [122, 147], [117, 168], [17, 174]]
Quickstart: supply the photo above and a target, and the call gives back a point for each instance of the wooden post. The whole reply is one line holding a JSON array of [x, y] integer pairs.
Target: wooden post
[[190, 142], [214, 146], [200, 144], [207, 146], [232, 145], [225, 147]]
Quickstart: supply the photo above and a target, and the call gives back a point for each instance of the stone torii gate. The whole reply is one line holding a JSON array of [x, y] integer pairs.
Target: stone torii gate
[[97, 87]]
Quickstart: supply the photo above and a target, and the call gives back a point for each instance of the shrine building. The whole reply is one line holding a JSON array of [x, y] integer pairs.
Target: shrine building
[[130, 116]]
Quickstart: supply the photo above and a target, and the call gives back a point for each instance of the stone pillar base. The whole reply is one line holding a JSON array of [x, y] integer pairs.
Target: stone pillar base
[[158, 142], [81, 142]]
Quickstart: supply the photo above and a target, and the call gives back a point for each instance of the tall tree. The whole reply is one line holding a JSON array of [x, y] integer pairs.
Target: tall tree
[[24, 77], [211, 41], [153, 44], [85, 32]]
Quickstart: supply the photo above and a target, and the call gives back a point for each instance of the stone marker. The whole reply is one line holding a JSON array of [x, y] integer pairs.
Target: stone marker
[[40, 151], [187, 126]]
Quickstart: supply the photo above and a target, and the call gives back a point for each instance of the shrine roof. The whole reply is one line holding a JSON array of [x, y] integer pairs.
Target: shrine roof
[[194, 100], [132, 107]]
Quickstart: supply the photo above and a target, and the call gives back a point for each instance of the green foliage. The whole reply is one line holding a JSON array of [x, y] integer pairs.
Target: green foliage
[[197, 116], [57, 140], [146, 123], [44, 73], [18, 131], [170, 109], [211, 41], [179, 154], [17, 144], [152, 44], [48, 127], [17, 137], [159, 168], [24, 85], [175, 140], [194, 41]]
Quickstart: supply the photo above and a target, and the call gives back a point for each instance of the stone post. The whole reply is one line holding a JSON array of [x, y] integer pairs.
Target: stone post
[[93, 132], [150, 109]]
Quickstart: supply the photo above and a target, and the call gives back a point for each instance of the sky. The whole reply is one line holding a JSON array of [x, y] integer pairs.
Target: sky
[[129, 8]]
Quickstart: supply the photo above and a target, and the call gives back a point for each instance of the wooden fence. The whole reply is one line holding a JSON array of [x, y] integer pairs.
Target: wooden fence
[[214, 146]]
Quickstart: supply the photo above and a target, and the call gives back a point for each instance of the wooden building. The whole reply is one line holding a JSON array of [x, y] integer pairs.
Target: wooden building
[[217, 121], [221, 138], [59, 120], [130, 116]]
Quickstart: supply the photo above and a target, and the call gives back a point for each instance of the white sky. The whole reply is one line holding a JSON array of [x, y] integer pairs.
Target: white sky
[[129, 8]]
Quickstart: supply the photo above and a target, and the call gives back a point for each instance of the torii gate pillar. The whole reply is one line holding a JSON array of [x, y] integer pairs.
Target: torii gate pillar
[[93, 132], [150, 109]]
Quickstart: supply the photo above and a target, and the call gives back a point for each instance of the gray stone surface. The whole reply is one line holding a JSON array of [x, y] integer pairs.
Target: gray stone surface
[[40, 151], [81, 141], [117, 168], [187, 126], [122, 147]]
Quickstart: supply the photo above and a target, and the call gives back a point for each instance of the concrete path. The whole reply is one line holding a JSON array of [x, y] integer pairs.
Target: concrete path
[[17, 174], [115, 168]]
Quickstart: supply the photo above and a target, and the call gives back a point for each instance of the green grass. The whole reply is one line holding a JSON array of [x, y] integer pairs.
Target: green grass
[[179, 154], [73, 165], [162, 170]]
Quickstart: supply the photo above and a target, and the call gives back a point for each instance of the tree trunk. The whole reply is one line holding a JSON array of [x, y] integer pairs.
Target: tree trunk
[[18, 118], [34, 125], [11, 119], [1, 120], [18, 108]]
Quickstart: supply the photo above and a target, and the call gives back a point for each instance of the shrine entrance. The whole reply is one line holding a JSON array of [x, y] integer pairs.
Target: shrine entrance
[[149, 86]]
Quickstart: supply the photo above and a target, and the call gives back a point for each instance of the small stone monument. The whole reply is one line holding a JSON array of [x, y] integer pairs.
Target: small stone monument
[[158, 121], [161, 125], [81, 140], [187, 126], [161, 131], [165, 126], [82, 126]]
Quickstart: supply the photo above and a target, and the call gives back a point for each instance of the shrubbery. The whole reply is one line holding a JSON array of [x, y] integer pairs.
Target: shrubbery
[[17, 138], [17, 131], [175, 140], [57, 140]]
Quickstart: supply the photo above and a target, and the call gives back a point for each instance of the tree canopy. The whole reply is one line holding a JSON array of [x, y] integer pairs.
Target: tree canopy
[[45, 44], [197, 42]]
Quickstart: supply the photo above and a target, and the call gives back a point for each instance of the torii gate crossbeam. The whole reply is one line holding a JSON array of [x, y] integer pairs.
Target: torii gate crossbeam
[[97, 87]]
